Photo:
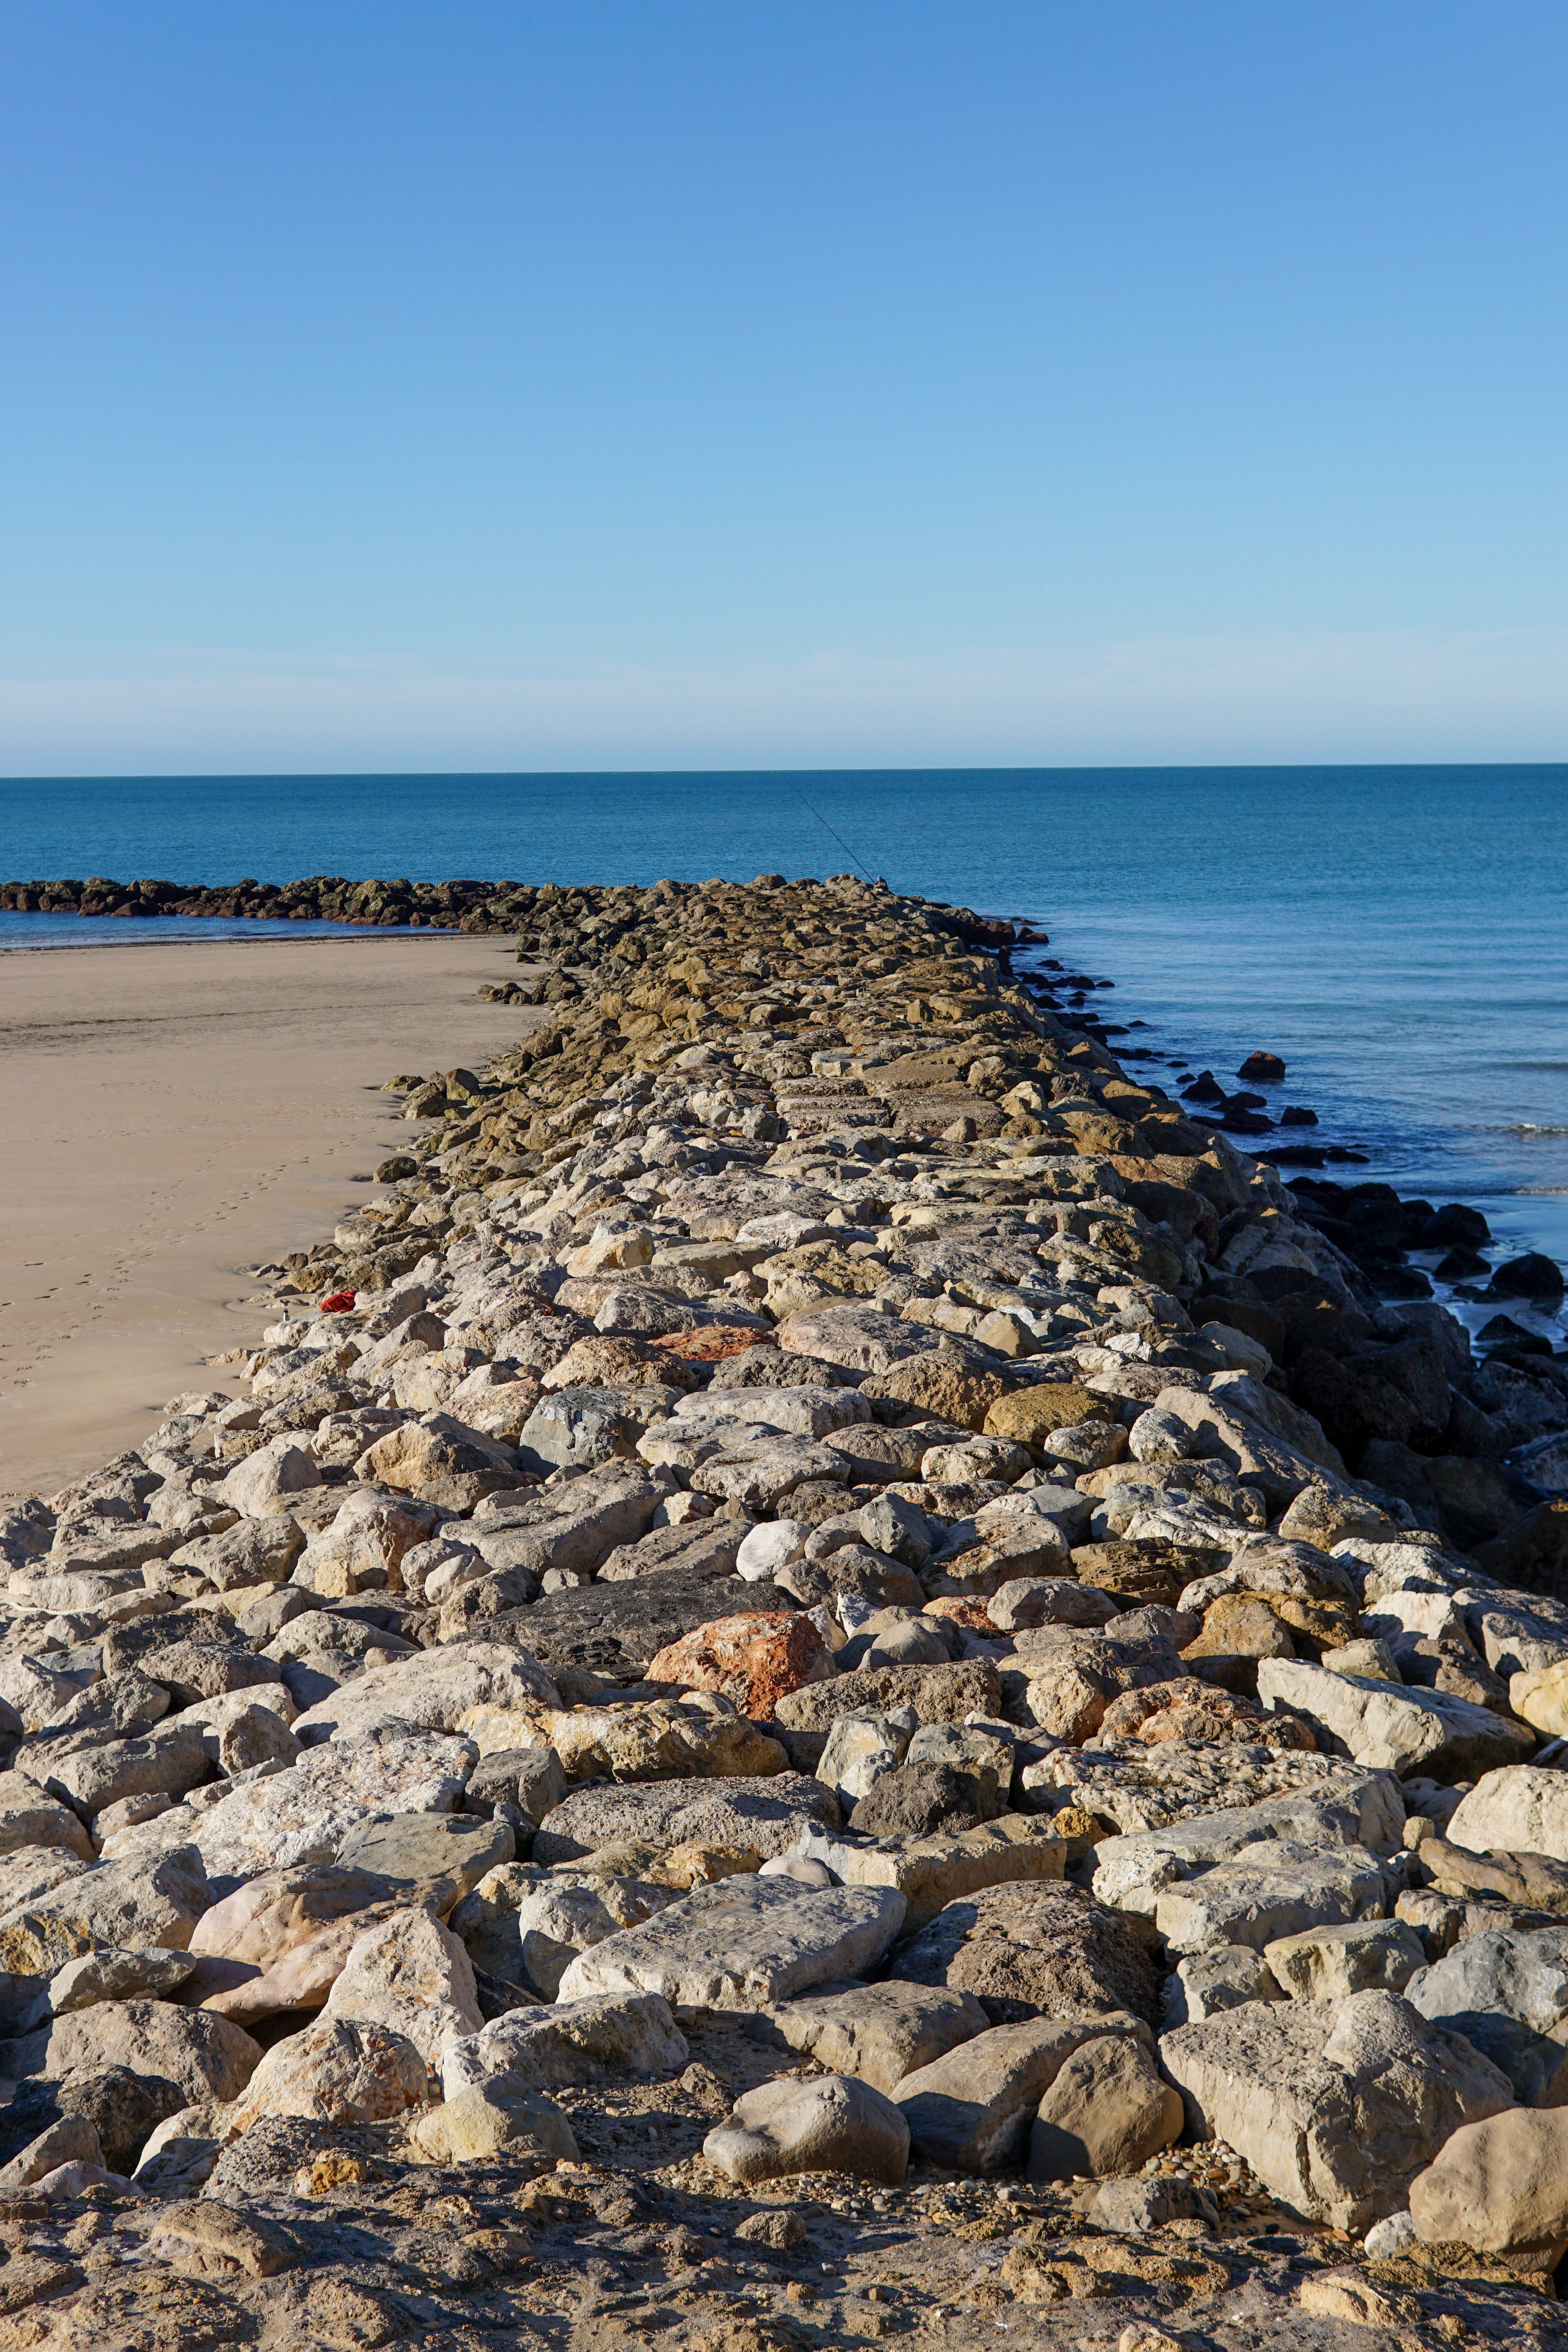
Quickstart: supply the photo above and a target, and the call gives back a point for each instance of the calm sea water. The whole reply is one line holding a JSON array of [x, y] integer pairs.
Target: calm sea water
[[1398, 935]]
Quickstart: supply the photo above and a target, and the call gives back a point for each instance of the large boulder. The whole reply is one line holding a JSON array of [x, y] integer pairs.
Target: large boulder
[[768, 1814], [1275, 1889], [128, 1904], [1106, 2114], [1520, 1809], [879, 2032], [432, 1691], [609, 2038], [267, 1917], [207, 2056], [744, 1943], [526, 1926], [412, 1975], [1035, 1950], [1500, 2186], [1507, 1992], [972, 2109], [1335, 2106], [305, 1813], [755, 1660], [28, 1817], [1392, 1727], [336, 2071]]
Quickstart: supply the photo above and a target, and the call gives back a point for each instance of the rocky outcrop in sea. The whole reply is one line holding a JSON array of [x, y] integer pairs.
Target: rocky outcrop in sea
[[803, 1694]]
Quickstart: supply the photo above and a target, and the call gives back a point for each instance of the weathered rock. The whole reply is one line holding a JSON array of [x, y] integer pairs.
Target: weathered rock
[[531, 1778], [1274, 1889], [754, 1660], [111, 1975], [1106, 2112], [837, 2124], [340, 2072], [122, 2108], [208, 2057], [127, 1905], [1394, 1729], [608, 2038], [260, 1486], [1028, 1951], [1336, 2105], [500, 2116], [305, 1813], [1520, 1808], [879, 2032], [765, 1814], [1206, 1984], [438, 1857], [1499, 2185], [30, 1817], [744, 1943], [933, 1872], [251, 1552], [971, 2110], [1331, 1963], [431, 1691], [280, 1909], [411, 1975], [527, 1926]]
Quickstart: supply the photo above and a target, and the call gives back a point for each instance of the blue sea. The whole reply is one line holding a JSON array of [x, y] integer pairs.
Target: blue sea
[[1397, 935]]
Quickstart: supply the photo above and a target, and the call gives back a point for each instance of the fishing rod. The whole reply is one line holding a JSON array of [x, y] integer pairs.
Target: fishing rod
[[837, 836]]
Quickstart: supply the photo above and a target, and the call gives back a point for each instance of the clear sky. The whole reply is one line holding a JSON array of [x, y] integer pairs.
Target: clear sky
[[781, 383]]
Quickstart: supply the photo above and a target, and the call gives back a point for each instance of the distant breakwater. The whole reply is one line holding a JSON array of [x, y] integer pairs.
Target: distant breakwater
[[461, 904]]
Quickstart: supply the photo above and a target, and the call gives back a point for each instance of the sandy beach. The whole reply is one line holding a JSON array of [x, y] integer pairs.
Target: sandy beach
[[174, 1115]]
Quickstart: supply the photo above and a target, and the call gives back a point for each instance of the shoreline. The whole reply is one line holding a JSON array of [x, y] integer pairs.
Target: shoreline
[[229, 1088]]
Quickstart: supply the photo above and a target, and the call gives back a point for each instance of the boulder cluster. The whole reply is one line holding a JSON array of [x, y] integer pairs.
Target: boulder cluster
[[793, 1700], [317, 897]]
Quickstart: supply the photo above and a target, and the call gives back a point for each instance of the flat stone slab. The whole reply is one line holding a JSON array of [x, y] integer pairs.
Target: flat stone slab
[[439, 1857], [768, 1814], [744, 1943]]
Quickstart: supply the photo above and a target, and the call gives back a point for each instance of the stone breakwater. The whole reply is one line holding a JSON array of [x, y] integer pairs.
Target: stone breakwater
[[789, 1703]]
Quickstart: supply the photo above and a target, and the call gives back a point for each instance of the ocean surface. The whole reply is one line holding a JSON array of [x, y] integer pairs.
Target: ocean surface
[[1399, 936]]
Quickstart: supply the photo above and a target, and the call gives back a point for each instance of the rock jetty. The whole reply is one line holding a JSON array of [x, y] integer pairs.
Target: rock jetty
[[832, 1678]]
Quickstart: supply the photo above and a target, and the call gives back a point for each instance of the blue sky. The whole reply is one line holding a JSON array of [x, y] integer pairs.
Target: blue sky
[[836, 382]]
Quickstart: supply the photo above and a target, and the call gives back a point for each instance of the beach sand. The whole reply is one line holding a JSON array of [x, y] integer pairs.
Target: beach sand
[[174, 1114]]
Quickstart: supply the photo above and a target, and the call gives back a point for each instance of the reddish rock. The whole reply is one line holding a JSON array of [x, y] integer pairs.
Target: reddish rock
[[1199, 1715], [755, 1660], [712, 1344], [1263, 1069]]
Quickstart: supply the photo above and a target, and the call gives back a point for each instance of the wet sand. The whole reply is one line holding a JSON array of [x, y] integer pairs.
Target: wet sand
[[174, 1115]]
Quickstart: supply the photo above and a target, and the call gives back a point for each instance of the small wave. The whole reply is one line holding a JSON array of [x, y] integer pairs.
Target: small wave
[[1525, 1126]]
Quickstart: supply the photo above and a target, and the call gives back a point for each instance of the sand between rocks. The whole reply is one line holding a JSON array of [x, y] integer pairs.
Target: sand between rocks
[[173, 1114]]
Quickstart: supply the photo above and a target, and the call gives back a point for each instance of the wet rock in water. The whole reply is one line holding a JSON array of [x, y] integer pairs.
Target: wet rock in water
[[1529, 1276]]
